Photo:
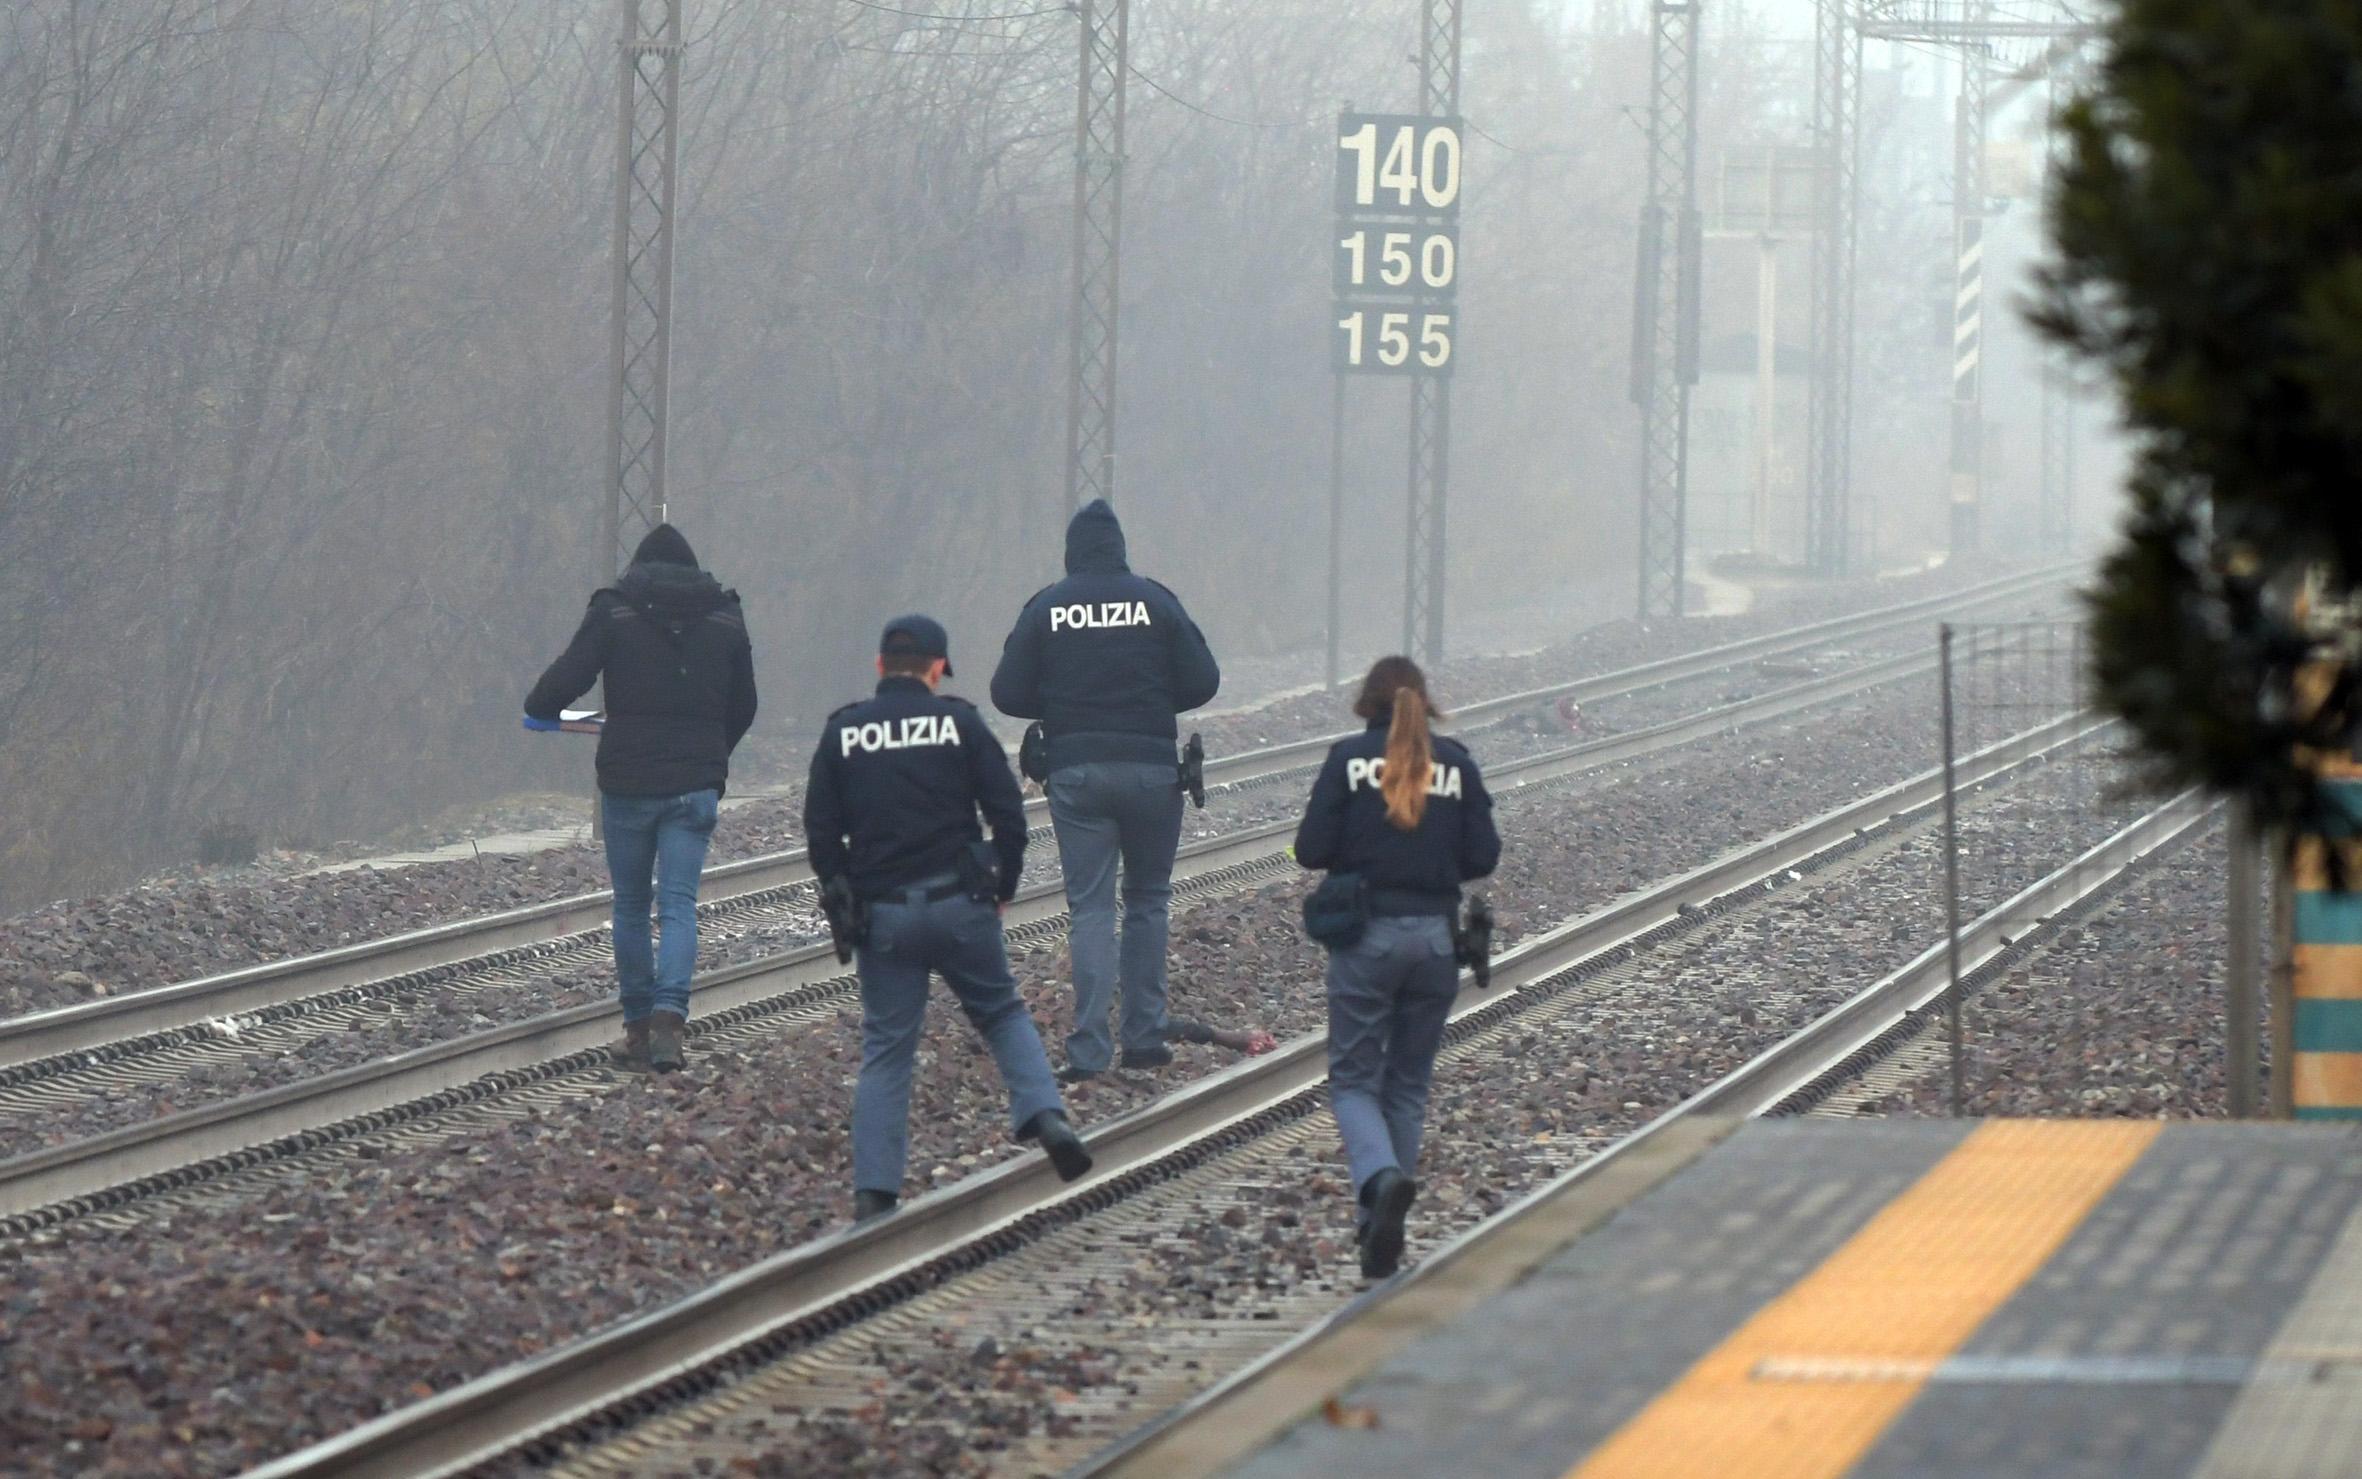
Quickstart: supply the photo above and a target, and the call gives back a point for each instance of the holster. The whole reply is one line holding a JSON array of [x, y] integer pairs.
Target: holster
[[1192, 770], [1033, 754], [1337, 913], [980, 871], [1472, 940], [848, 917]]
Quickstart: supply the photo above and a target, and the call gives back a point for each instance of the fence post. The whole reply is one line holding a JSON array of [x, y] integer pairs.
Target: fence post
[[2241, 878], [1951, 878]]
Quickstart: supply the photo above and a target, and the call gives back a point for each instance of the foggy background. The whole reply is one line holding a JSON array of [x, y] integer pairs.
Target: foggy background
[[304, 349]]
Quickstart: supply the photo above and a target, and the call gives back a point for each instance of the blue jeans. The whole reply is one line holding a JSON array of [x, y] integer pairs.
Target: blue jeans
[[1104, 811], [1390, 995], [659, 838], [960, 938]]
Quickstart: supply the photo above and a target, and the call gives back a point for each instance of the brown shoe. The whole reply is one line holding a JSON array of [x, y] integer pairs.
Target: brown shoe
[[631, 1054], [664, 1041]]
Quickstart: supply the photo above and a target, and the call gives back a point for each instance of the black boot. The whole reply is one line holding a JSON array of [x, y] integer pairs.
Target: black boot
[[1386, 1199], [868, 1205], [664, 1041], [1157, 1057], [631, 1054], [1066, 1149]]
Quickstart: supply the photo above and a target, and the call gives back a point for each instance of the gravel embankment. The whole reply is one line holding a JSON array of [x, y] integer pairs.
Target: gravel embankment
[[446, 1011], [996, 1397], [2122, 1015], [188, 925], [222, 1333]]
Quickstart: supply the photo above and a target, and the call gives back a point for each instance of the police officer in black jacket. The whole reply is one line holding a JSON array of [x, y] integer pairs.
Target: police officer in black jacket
[[672, 646], [1106, 659], [891, 807], [1405, 811]]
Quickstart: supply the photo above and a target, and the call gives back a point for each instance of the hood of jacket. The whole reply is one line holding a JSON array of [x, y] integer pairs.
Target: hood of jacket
[[664, 545], [667, 591], [1095, 541]]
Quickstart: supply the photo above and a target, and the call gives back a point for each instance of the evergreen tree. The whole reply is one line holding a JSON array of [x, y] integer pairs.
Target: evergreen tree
[[2208, 223]]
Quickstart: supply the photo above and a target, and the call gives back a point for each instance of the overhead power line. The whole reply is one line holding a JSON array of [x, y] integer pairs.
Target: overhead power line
[[1165, 92]]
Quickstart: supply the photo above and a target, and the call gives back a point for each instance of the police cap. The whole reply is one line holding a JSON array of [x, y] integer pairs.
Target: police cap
[[916, 636]]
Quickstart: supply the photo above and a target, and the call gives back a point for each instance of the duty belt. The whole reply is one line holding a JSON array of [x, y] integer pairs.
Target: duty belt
[[926, 891]]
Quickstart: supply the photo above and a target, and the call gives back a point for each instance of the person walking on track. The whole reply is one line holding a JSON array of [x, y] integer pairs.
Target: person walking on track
[[1399, 819], [890, 819], [671, 644], [1105, 660]]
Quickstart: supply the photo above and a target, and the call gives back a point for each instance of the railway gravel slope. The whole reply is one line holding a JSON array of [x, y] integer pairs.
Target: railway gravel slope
[[180, 927], [216, 1333]]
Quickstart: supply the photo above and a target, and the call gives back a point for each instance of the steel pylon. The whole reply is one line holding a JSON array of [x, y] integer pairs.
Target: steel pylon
[[1837, 112], [1431, 395], [639, 404], [1098, 248], [1665, 326]]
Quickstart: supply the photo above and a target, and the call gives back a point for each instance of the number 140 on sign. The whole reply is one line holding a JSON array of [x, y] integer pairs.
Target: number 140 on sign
[[1381, 339]]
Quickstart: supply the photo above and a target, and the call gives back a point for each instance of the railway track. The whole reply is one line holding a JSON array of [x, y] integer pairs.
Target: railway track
[[119, 1176], [697, 1384], [1820, 1070], [340, 987]]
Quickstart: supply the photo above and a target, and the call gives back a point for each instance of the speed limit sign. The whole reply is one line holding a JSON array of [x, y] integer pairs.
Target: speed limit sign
[[1396, 249], [1398, 164]]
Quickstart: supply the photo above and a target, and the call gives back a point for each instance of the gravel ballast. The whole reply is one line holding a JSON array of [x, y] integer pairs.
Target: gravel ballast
[[1008, 1391], [198, 923], [2121, 1015], [253, 1061], [218, 1334]]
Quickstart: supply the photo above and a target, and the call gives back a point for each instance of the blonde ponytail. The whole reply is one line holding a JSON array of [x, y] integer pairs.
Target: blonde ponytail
[[1410, 760], [1396, 691]]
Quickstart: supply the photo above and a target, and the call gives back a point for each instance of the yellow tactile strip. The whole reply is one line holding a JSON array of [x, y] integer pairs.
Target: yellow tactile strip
[[1907, 1289]]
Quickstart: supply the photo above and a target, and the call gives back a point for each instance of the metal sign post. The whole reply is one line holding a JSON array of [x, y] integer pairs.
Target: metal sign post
[[1336, 520], [1098, 249], [1397, 270]]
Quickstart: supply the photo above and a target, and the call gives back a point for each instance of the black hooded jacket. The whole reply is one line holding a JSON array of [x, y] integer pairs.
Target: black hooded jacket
[[1104, 658], [672, 646]]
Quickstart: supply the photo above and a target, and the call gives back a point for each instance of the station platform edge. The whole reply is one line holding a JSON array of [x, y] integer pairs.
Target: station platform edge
[[1807, 1298]]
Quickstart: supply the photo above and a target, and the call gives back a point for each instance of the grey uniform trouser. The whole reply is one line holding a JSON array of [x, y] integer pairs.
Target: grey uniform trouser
[[1390, 995], [961, 939], [1105, 811]]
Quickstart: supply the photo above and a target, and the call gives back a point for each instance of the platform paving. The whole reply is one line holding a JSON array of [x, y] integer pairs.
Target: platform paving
[[1912, 1298]]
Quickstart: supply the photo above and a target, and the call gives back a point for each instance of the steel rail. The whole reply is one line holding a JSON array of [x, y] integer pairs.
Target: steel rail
[[170, 1147], [839, 1280], [189, 1005], [1260, 1400]]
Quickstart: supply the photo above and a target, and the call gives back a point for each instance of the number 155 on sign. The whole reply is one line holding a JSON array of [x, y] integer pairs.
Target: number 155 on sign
[[1381, 339]]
